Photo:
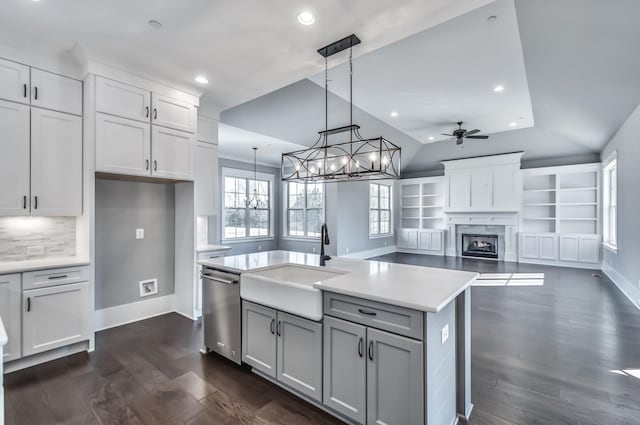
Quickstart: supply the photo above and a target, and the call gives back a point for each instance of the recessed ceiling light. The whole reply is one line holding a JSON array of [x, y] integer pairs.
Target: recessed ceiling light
[[498, 88], [513, 124], [432, 138], [201, 79], [155, 24], [306, 18], [394, 114]]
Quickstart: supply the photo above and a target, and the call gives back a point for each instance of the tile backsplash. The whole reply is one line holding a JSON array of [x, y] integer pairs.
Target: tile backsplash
[[48, 237]]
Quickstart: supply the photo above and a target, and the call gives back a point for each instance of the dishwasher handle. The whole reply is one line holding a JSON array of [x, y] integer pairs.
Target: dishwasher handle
[[219, 279]]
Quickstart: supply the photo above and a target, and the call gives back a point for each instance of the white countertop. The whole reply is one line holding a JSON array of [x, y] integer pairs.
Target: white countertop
[[3, 334], [49, 263], [211, 248], [420, 288]]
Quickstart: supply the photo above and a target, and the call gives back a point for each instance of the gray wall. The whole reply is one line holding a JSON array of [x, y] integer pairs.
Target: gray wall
[[625, 263], [122, 261], [253, 246]]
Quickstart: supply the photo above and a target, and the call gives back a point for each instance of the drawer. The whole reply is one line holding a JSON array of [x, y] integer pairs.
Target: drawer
[[54, 277], [211, 254], [399, 320]]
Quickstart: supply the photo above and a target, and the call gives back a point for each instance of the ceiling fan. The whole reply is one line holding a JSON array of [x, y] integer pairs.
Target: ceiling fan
[[460, 134]]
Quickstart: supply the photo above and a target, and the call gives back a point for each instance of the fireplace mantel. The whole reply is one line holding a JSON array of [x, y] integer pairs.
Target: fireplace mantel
[[507, 219]]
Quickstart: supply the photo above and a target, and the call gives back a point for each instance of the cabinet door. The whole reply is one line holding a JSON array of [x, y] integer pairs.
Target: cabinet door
[[259, 337], [569, 248], [299, 359], [529, 246], [589, 249], [458, 191], [54, 317], [505, 191], [548, 247], [123, 100], [345, 368], [394, 379], [205, 178], [424, 240], [436, 241], [122, 146], [481, 189], [171, 152], [53, 91], [56, 163], [173, 113], [14, 159], [11, 314], [14, 81], [408, 239]]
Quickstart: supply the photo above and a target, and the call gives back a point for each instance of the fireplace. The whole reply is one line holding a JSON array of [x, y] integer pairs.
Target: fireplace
[[480, 246]]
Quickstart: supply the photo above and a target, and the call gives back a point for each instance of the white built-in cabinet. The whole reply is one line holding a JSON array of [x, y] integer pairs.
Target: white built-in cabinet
[[11, 314], [41, 152], [140, 133], [206, 179]]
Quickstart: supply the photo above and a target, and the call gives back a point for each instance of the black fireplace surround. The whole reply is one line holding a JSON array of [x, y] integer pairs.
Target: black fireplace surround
[[480, 246]]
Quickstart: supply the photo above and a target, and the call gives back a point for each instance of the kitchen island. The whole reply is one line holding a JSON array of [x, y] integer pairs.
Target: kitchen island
[[370, 342]]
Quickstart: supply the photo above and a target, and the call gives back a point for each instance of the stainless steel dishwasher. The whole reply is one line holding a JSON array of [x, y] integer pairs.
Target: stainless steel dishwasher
[[222, 313]]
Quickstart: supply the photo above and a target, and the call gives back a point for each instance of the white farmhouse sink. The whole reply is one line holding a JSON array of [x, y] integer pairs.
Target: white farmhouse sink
[[287, 288]]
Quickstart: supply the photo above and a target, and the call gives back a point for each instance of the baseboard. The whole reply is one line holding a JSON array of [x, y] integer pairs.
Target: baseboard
[[363, 255], [47, 356], [420, 251], [587, 266], [132, 312], [627, 288]]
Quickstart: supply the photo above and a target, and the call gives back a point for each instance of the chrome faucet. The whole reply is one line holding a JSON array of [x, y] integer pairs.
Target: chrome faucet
[[324, 240]]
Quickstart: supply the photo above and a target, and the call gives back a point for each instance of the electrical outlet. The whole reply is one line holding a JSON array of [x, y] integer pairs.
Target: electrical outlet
[[148, 287], [259, 247], [139, 233], [313, 249], [444, 334], [35, 250]]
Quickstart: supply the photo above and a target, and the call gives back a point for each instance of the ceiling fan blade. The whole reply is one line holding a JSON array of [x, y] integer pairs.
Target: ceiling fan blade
[[450, 135], [470, 132], [477, 137]]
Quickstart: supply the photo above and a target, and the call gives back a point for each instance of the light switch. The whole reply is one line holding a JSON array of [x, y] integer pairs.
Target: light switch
[[139, 233], [444, 333]]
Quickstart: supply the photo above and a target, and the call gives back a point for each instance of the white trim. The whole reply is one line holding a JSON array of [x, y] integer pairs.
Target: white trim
[[47, 356], [391, 211], [626, 287], [247, 240], [611, 248], [128, 313], [301, 238], [285, 213], [363, 255], [382, 235], [587, 266], [421, 251]]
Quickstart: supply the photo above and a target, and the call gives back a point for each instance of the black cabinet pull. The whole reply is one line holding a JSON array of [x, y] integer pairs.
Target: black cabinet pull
[[367, 312], [155, 165], [24, 202], [35, 202], [361, 347], [62, 276], [24, 92], [279, 327], [272, 326], [28, 304], [147, 109], [371, 351], [155, 113], [146, 164], [36, 93]]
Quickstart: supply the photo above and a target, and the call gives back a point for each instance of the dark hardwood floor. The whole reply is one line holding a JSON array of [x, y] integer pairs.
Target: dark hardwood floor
[[540, 355]]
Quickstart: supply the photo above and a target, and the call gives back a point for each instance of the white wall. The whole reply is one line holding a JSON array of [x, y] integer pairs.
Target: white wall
[[624, 267]]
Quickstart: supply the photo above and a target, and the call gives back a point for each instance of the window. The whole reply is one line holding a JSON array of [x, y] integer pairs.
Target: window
[[379, 210], [239, 220], [610, 200], [305, 209]]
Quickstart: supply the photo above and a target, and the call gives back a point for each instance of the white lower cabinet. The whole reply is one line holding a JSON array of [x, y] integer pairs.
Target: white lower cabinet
[[54, 317], [560, 247], [10, 312], [283, 346], [539, 246], [430, 240], [408, 238], [580, 248]]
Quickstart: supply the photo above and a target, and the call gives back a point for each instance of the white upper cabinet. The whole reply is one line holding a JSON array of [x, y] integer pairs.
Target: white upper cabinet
[[14, 81], [14, 159], [481, 189], [56, 163], [207, 130], [172, 153], [173, 113], [507, 195], [56, 92], [458, 190], [123, 100], [122, 146]]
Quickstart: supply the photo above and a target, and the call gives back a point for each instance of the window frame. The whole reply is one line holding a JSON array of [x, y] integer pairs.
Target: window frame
[[390, 210], [610, 203], [248, 176], [285, 209]]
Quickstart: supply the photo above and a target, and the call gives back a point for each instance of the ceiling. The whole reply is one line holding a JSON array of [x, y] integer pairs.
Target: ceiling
[[443, 75], [245, 48]]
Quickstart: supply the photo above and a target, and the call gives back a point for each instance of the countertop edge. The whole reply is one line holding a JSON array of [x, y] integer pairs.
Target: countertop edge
[[35, 265]]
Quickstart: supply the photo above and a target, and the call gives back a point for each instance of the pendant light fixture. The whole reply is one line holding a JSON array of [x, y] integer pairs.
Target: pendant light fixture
[[254, 202], [350, 159]]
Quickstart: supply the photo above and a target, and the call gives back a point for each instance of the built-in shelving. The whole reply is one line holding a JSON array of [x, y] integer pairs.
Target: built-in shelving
[[422, 203]]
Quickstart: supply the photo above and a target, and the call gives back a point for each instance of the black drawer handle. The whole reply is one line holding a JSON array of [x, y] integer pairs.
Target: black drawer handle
[[24, 202], [272, 325], [371, 350], [155, 114], [147, 110], [35, 202], [62, 276], [361, 347], [36, 93], [367, 312], [279, 327], [24, 86], [28, 304], [146, 162], [155, 165]]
